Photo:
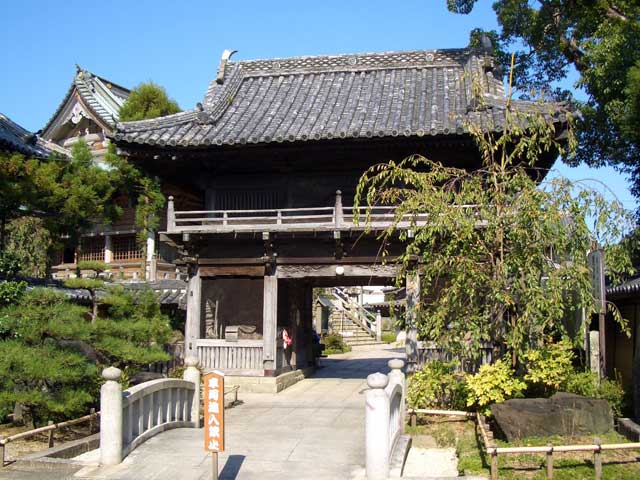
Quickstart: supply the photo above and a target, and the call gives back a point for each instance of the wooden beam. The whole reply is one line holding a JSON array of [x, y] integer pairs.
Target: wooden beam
[[315, 270], [232, 271]]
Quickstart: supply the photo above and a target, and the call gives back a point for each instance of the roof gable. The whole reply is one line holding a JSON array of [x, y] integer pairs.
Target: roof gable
[[89, 96]]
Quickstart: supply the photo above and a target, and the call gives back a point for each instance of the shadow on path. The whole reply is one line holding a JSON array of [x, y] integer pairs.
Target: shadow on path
[[231, 467], [357, 365]]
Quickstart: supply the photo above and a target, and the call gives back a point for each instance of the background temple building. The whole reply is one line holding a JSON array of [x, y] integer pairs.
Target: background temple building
[[262, 177], [89, 112], [14, 138]]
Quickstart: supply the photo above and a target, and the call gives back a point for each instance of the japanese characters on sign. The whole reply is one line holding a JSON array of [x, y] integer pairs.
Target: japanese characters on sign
[[214, 412]]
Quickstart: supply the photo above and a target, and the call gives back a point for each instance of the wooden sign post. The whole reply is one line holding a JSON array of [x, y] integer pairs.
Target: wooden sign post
[[214, 416]]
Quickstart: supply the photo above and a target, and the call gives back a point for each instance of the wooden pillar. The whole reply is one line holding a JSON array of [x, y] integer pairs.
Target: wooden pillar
[[270, 323], [194, 318], [411, 314]]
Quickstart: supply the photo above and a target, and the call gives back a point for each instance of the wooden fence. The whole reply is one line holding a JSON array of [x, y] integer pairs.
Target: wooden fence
[[49, 429], [549, 450], [430, 351]]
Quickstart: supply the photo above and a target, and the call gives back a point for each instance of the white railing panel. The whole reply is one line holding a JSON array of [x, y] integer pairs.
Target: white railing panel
[[131, 417]]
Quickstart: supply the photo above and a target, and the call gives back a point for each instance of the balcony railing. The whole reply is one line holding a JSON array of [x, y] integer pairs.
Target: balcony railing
[[337, 217]]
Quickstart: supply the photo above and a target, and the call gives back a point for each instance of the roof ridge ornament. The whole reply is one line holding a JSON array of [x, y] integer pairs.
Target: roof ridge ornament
[[222, 66]]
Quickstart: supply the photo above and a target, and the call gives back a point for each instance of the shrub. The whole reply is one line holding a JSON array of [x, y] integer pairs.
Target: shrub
[[549, 367], [437, 385], [587, 385], [493, 384], [333, 343], [10, 292]]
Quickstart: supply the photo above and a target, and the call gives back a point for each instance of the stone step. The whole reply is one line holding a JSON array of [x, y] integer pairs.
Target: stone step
[[360, 340]]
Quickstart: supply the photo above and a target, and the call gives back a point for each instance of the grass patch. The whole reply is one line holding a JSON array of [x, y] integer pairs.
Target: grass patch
[[333, 351], [464, 436], [388, 337]]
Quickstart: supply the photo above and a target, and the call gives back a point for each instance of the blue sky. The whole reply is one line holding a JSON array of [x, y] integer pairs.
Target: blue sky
[[178, 45]]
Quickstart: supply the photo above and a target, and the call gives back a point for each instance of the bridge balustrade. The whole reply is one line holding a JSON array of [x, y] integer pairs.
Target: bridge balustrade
[[131, 417]]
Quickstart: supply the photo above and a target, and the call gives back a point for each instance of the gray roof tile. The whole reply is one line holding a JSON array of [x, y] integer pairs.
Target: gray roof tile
[[14, 138], [332, 97]]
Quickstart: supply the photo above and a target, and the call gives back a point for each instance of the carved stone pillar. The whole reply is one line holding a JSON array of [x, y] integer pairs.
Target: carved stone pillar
[[194, 317]]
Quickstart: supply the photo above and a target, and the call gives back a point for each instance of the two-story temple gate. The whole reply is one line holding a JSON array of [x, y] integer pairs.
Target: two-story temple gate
[[254, 170]]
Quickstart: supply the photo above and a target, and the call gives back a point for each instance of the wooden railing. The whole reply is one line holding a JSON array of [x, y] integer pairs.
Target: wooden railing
[[49, 430], [243, 357], [286, 219]]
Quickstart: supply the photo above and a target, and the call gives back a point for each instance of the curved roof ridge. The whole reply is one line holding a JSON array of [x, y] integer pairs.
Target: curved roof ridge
[[356, 61], [166, 121]]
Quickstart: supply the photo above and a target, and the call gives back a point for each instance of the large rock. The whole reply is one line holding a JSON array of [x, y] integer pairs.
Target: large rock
[[563, 414], [142, 377]]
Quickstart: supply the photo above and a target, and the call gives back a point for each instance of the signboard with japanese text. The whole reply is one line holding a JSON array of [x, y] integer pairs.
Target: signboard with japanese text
[[214, 412], [596, 269]]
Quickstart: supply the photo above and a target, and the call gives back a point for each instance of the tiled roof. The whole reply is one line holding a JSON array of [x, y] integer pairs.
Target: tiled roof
[[630, 287], [391, 94], [103, 97], [14, 138], [169, 292]]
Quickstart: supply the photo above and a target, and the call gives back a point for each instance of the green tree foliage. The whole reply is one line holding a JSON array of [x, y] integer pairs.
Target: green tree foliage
[[502, 259], [65, 197], [67, 194], [50, 354], [90, 281], [134, 330], [601, 40], [146, 192], [147, 100], [49, 381], [29, 240], [10, 289]]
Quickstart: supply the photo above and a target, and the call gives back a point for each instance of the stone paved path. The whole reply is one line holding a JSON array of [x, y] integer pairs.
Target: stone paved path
[[315, 430]]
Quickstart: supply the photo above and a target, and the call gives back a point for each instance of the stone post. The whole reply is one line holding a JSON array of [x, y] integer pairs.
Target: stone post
[[171, 215], [339, 212], [111, 417], [594, 353], [413, 301], [108, 249], [192, 374], [378, 326], [397, 376], [377, 427]]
